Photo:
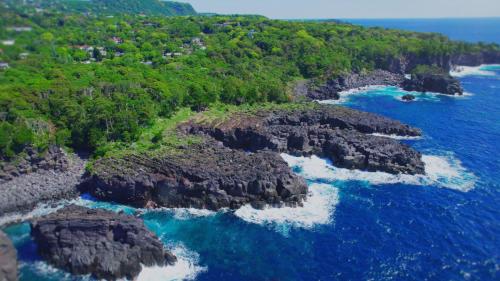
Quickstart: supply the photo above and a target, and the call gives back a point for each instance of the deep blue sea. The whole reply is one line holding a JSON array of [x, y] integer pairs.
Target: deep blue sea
[[356, 225], [471, 29]]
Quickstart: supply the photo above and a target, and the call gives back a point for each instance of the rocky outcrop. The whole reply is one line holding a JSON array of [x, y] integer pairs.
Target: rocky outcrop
[[56, 177], [32, 160], [408, 62], [340, 134], [332, 88], [432, 82], [408, 97], [8, 259], [237, 161], [203, 175], [98, 242]]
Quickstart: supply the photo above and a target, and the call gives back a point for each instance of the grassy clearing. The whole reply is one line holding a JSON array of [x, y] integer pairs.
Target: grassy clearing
[[163, 138]]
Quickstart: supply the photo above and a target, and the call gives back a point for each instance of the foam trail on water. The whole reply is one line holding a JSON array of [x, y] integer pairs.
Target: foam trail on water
[[346, 95], [390, 91], [318, 209], [40, 210], [397, 137], [482, 70], [186, 268], [440, 170]]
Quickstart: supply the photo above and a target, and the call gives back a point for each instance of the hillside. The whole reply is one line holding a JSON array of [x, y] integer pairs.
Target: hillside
[[112, 7], [93, 82]]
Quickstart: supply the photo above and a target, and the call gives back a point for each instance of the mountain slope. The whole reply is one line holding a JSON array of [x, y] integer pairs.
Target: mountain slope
[[110, 7]]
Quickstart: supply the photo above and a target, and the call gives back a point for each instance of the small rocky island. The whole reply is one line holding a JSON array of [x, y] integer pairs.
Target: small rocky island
[[101, 243], [442, 83]]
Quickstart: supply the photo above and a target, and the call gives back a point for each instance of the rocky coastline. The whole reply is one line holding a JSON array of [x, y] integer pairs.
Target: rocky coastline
[[237, 161], [101, 243], [393, 73], [37, 179]]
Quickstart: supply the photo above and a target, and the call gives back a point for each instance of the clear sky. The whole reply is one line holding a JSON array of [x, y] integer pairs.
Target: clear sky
[[289, 9]]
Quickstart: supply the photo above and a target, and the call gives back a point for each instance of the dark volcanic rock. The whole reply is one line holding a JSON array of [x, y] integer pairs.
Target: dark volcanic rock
[[31, 161], [56, 177], [98, 242], [331, 89], [437, 83], [8, 259], [408, 97], [236, 161], [337, 133], [205, 175], [476, 58]]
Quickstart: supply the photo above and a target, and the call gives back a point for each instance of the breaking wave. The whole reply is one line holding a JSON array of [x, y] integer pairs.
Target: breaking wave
[[318, 209], [482, 70], [390, 91], [186, 268], [440, 170], [397, 137]]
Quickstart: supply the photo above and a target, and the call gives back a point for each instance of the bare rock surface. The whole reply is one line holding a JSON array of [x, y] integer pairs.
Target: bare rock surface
[[101, 243], [8, 259], [205, 175], [54, 180]]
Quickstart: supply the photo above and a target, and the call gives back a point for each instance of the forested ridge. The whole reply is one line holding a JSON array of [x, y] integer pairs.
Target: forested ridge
[[105, 7], [86, 81]]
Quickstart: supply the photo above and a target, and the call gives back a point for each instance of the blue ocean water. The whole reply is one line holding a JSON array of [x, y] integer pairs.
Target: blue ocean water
[[471, 30], [356, 225]]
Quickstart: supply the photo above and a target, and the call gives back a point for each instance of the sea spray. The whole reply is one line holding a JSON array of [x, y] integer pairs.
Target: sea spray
[[318, 209], [186, 267], [441, 170], [482, 70]]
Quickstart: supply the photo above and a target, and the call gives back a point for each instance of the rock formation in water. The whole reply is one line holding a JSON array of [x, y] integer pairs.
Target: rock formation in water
[[340, 134], [332, 87], [432, 82], [203, 175], [101, 243], [408, 97], [8, 259]]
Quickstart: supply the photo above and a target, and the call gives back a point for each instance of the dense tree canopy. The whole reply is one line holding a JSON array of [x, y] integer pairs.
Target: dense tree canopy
[[83, 81]]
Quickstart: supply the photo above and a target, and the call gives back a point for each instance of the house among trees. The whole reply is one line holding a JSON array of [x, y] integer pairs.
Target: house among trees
[[23, 56], [117, 40], [4, 65], [19, 28], [9, 42]]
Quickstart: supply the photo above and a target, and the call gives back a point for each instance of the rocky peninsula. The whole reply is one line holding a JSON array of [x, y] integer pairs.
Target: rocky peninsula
[[237, 161], [101, 243]]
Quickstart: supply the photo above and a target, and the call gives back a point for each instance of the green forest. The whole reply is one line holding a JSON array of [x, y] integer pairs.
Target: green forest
[[87, 81]]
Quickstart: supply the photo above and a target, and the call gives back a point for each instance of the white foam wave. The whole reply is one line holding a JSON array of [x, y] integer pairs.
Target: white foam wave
[[318, 209], [346, 95], [397, 137], [42, 269], [482, 70], [390, 91], [440, 170], [40, 210], [186, 268]]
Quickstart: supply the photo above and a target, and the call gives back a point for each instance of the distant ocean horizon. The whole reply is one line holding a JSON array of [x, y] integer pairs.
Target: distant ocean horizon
[[463, 29]]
